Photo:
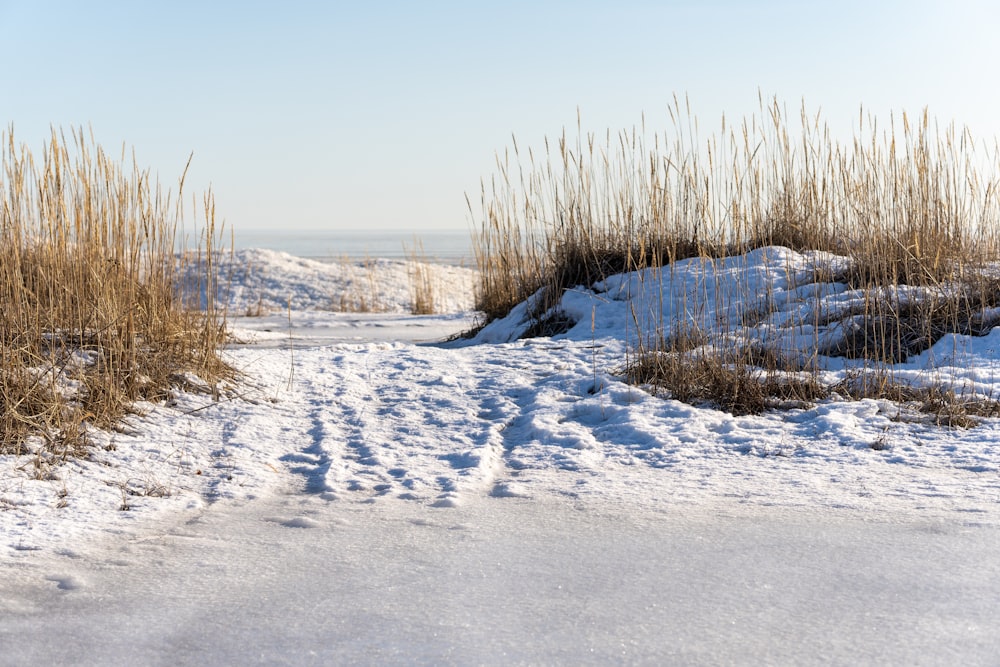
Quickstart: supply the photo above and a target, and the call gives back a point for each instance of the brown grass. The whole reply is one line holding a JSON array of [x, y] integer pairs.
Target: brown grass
[[907, 203], [91, 317], [734, 385], [943, 406], [423, 287], [360, 295]]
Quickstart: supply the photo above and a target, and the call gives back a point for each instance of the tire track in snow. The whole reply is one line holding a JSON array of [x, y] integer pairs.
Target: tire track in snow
[[429, 418], [335, 395], [385, 421], [434, 424], [315, 461], [544, 450], [490, 421]]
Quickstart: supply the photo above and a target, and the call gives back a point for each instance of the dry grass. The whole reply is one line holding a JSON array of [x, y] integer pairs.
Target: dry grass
[[423, 287], [91, 318], [941, 405], [361, 294], [734, 385], [907, 203], [364, 294]]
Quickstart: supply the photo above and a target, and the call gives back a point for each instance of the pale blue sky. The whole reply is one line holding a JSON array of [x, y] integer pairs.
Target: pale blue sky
[[381, 115]]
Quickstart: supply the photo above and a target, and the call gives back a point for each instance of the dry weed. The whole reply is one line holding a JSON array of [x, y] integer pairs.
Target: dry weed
[[423, 287], [92, 317], [907, 203]]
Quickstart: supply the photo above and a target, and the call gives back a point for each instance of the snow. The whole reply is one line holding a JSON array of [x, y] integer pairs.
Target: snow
[[490, 487], [513, 581], [269, 281]]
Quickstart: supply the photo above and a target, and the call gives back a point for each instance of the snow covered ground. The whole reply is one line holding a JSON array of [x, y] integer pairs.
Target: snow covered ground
[[268, 281], [527, 465]]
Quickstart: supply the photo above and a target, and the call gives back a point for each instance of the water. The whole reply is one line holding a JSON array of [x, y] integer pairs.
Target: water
[[442, 247]]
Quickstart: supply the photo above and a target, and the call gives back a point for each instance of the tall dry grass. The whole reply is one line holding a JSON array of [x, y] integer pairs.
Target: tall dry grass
[[363, 293], [907, 203], [91, 315], [423, 286]]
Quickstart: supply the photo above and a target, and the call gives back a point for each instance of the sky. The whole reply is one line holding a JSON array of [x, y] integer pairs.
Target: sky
[[379, 116]]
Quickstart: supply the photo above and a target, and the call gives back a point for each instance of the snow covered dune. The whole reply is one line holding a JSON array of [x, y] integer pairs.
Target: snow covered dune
[[262, 281]]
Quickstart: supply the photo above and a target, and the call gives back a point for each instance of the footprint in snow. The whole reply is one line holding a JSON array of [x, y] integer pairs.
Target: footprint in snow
[[447, 501], [66, 582], [295, 522], [444, 380], [509, 490]]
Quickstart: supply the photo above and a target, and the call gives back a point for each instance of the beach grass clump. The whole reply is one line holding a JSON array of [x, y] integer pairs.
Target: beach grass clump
[[92, 317], [906, 214], [423, 286], [362, 292], [937, 403], [733, 382]]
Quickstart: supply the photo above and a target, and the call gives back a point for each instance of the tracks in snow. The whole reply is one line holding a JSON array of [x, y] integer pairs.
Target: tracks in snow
[[431, 424], [438, 426]]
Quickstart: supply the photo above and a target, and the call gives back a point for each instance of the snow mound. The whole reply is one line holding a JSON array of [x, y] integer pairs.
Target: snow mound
[[260, 281], [775, 298]]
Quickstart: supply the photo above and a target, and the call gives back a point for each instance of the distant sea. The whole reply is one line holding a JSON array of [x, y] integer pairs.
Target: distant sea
[[328, 246]]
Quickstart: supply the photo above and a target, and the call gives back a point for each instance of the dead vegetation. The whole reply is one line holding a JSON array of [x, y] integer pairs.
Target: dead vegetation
[[423, 285], [911, 209], [91, 316]]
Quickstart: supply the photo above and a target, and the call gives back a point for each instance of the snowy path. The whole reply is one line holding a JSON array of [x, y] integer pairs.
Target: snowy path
[[542, 418], [296, 579], [425, 423]]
